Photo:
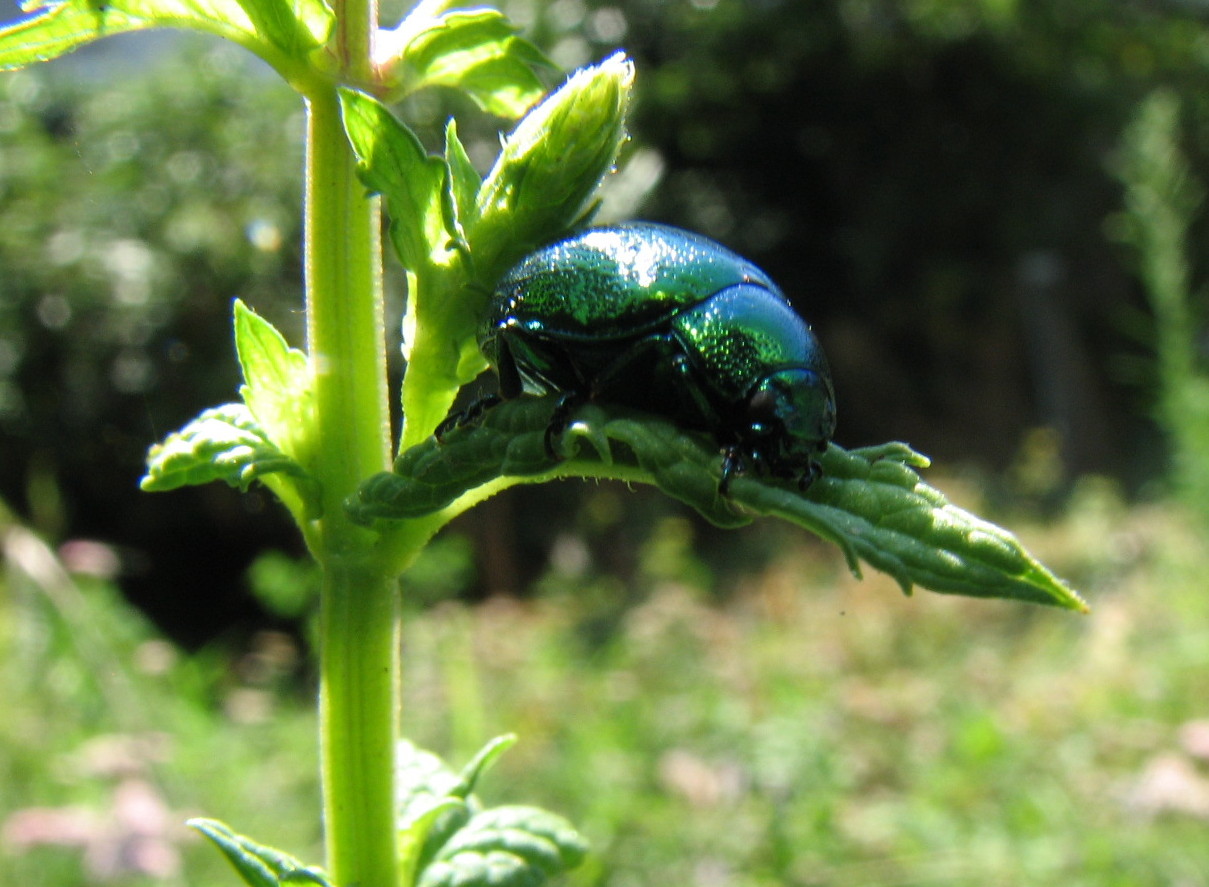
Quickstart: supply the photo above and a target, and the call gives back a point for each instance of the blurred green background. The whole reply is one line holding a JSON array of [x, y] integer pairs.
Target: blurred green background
[[990, 211]]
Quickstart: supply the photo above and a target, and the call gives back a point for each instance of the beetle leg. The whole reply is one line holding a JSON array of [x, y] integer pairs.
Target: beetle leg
[[471, 415], [560, 419], [505, 368], [732, 463], [812, 473], [684, 369]]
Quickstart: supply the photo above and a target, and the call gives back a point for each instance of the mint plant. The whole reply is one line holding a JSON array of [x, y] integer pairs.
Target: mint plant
[[313, 424]]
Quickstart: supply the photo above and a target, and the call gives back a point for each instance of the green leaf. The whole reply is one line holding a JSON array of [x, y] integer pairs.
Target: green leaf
[[449, 840], [475, 51], [226, 443], [420, 778], [874, 506], [546, 176], [223, 443], [870, 502], [58, 30], [509, 442], [426, 783], [433, 803], [393, 163], [507, 847], [281, 32], [258, 865], [422, 835], [464, 179], [277, 384], [439, 322], [293, 26], [480, 763], [266, 438]]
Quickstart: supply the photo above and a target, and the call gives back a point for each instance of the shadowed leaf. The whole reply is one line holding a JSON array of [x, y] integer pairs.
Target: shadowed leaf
[[870, 502]]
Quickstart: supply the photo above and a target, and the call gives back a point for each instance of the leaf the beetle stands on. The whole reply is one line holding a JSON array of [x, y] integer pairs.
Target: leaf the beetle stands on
[[870, 502]]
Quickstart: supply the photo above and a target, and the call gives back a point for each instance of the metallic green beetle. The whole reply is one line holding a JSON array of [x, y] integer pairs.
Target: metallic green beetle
[[672, 323]]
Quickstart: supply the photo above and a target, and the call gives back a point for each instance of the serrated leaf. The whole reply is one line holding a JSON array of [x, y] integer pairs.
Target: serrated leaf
[[870, 502], [58, 30], [420, 777], [429, 826], [509, 442], [476, 51], [223, 443], [280, 31], [277, 388], [435, 803], [429, 807], [470, 869], [878, 510], [541, 845], [258, 865], [392, 162]]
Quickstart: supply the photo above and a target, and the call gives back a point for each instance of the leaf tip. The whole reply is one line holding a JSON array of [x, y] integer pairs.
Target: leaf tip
[[1070, 599]]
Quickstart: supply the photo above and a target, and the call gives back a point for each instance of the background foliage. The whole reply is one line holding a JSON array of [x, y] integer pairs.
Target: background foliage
[[930, 183]]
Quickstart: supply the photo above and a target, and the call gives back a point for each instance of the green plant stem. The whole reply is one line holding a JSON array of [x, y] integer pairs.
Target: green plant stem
[[359, 704], [359, 621]]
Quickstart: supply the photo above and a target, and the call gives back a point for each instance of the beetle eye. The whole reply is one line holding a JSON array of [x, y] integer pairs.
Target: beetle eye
[[762, 407]]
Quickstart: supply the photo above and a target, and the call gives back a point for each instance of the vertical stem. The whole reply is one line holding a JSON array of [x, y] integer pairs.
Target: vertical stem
[[359, 621], [358, 723], [345, 326]]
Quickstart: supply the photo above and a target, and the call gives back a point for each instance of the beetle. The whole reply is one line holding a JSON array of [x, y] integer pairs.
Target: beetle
[[672, 323]]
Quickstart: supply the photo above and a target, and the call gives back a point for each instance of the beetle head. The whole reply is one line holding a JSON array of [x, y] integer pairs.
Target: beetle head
[[792, 416]]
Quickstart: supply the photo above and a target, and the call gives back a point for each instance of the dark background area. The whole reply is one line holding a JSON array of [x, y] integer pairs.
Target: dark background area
[[930, 183]]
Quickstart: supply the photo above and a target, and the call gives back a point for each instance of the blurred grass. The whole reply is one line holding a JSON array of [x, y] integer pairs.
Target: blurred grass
[[111, 737], [811, 729]]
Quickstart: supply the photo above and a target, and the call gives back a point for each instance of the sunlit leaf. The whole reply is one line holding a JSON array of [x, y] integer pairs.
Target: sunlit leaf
[[464, 179], [293, 26], [227, 444], [506, 847], [447, 839], [551, 165], [476, 51], [277, 384], [393, 163], [282, 32], [223, 443]]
